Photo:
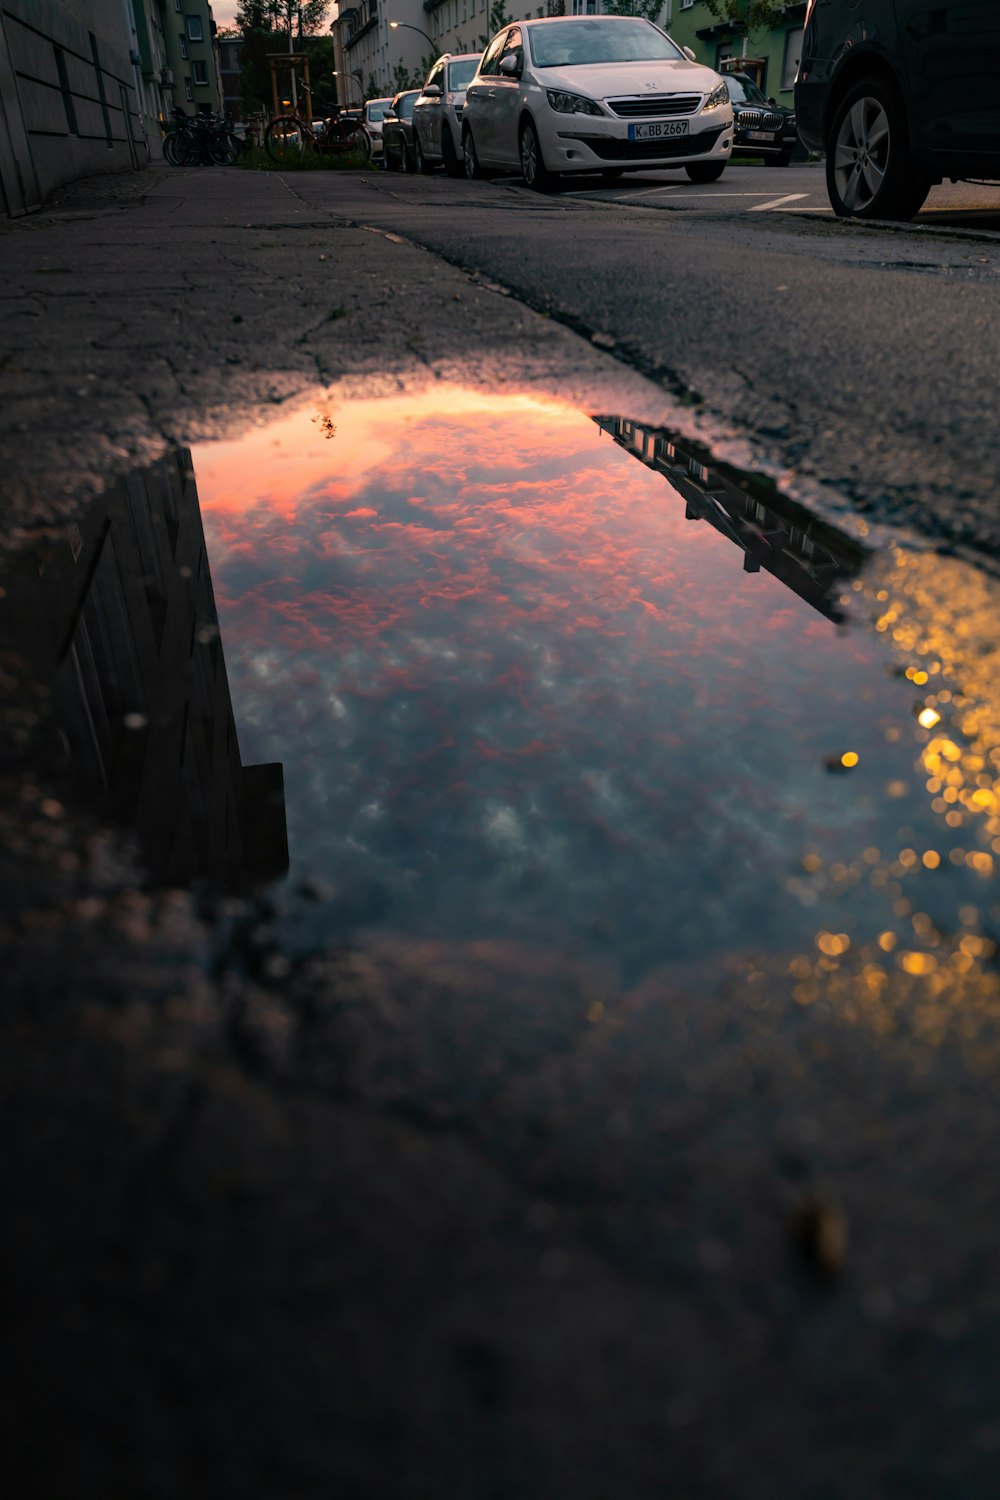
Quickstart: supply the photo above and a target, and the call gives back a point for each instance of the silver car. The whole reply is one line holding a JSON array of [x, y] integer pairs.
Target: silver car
[[437, 114], [606, 94], [375, 112]]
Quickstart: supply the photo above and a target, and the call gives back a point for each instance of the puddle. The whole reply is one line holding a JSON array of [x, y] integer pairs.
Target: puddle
[[524, 696]]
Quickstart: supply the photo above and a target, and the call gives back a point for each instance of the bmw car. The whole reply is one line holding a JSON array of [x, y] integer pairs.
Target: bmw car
[[607, 94], [760, 126]]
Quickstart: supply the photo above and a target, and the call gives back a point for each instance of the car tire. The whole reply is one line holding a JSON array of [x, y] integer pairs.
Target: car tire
[[473, 170], [705, 171], [870, 172], [423, 165], [533, 169], [453, 164]]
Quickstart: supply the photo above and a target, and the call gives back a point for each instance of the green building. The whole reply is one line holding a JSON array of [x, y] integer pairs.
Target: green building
[[769, 54], [192, 63]]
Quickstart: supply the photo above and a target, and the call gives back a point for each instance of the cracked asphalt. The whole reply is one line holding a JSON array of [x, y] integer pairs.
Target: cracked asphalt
[[349, 1226]]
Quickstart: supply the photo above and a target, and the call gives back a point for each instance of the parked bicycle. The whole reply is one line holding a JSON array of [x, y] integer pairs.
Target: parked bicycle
[[290, 136], [200, 140]]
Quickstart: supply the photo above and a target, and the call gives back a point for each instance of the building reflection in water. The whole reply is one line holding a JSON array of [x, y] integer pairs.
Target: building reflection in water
[[118, 614], [803, 553]]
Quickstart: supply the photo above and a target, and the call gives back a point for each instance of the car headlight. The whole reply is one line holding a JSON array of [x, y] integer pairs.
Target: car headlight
[[719, 95], [571, 104]]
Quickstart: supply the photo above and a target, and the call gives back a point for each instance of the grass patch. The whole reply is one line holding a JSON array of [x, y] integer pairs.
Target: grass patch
[[310, 161]]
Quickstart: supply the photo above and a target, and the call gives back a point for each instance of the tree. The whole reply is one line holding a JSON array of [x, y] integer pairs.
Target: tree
[[747, 15], [306, 17], [266, 26], [497, 18], [650, 9]]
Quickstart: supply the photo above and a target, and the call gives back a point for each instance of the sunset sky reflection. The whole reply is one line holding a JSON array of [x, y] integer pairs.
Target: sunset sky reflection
[[518, 695]]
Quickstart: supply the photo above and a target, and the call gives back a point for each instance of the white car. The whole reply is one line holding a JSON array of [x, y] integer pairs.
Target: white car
[[375, 112], [437, 114], [607, 94]]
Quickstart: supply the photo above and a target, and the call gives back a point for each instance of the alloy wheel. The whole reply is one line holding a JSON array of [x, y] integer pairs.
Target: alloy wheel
[[861, 154], [529, 156]]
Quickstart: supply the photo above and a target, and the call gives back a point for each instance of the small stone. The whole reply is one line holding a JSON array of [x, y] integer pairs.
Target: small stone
[[819, 1229]]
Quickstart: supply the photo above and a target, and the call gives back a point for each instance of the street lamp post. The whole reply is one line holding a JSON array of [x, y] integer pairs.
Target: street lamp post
[[356, 76], [395, 26]]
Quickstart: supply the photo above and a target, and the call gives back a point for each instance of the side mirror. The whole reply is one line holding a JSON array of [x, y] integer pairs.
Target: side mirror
[[509, 65], [432, 91], [689, 54], [390, 117], [773, 102]]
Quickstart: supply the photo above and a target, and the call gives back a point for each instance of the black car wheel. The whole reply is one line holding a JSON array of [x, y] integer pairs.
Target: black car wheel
[[472, 168], [423, 165], [452, 165], [705, 171], [870, 172], [533, 169]]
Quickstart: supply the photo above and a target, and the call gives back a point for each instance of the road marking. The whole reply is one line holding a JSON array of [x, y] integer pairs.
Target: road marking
[[650, 192], [759, 208]]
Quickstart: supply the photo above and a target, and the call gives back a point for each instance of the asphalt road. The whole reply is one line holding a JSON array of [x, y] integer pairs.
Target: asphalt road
[[856, 362]]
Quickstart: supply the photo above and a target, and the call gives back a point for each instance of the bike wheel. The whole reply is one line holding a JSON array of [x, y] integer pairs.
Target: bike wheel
[[223, 150], [172, 152], [358, 142], [285, 140]]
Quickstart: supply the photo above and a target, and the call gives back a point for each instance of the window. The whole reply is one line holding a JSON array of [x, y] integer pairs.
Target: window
[[793, 53], [201, 74], [195, 29], [188, 91], [184, 47], [513, 48], [492, 54], [686, 4]]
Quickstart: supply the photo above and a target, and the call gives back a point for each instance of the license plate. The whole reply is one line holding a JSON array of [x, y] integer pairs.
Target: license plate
[[657, 130], [761, 135]]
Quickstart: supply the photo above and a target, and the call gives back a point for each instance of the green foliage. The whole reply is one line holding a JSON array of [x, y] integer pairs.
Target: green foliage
[[747, 15], [312, 161], [264, 26], [305, 16], [497, 19], [650, 9]]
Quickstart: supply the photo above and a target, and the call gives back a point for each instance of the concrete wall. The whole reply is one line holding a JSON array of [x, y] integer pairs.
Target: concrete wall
[[71, 85]]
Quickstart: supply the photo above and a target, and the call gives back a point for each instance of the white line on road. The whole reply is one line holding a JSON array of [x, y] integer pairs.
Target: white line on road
[[671, 187], [759, 208]]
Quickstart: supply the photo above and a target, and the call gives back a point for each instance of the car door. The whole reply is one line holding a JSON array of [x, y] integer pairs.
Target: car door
[[427, 115], [480, 100], [507, 103], [951, 54]]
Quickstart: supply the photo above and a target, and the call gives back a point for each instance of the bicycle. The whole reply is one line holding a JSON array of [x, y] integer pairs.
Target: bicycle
[[290, 136], [196, 140]]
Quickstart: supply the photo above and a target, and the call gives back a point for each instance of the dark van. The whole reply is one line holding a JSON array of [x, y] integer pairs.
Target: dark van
[[900, 94]]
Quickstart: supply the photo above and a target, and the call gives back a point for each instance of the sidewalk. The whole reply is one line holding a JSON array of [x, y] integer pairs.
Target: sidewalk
[[171, 306]]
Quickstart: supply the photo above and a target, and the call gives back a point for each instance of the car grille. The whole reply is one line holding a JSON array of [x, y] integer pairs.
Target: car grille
[[651, 105], [609, 149], [758, 119]]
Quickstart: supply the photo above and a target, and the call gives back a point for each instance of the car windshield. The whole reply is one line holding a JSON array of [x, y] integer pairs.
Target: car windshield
[[461, 74], [404, 106], [561, 44], [743, 90]]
